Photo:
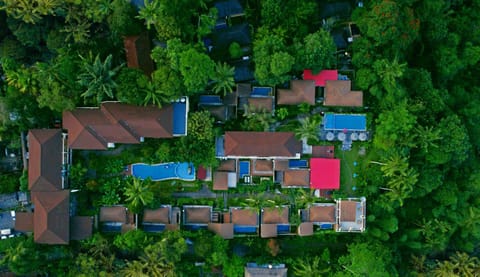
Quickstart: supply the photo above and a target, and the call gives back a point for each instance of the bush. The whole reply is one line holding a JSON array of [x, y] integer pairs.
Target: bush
[[235, 50]]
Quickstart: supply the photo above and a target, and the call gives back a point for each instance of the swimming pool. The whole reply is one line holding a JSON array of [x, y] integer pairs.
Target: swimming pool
[[164, 171]]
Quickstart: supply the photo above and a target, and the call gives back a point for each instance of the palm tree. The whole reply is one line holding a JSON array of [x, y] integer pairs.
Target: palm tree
[[427, 137], [308, 129], [310, 267], [134, 269], [97, 78], [395, 165], [152, 96], [138, 194], [223, 78], [445, 269], [464, 264], [150, 12]]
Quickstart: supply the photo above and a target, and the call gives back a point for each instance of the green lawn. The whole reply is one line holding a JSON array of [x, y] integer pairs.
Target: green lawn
[[347, 167]]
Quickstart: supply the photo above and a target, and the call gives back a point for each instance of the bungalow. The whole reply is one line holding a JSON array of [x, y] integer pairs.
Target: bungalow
[[197, 217], [157, 220], [116, 219], [322, 215], [301, 91], [351, 215], [221, 109], [226, 175], [256, 99], [338, 93], [274, 221], [114, 122], [244, 220], [258, 145]]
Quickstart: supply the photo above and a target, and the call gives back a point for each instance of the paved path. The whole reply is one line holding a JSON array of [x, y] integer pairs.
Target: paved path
[[204, 192]]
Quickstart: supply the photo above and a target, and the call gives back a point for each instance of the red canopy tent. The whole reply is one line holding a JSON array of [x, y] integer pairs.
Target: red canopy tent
[[320, 78], [324, 173]]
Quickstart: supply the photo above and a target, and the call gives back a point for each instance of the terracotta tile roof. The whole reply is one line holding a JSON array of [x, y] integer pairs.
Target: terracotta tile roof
[[323, 151], [137, 51], [225, 230], [268, 230], [81, 227], [261, 144], [246, 217], [338, 93], [24, 221], [45, 162], [305, 229], [281, 165], [51, 217], [322, 214], [296, 178], [220, 180], [113, 214], [262, 104], [227, 165], [93, 128], [348, 211], [244, 90], [265, 272], [160, 215], [219, 112], [263, 165], [301, 91], [197, 215], [277, 215]]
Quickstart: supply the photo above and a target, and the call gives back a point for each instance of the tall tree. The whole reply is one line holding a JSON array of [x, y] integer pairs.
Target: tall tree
[[223, 79], [138, 194], [197, 69], [96, 77]]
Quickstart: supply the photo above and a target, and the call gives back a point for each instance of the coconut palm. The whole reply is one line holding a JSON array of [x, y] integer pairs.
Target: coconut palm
[[134, 269], [223, 78], [464, 264], [150, 12], [444, 269], [153, 96], [310, 267], [138, 194], [427, 138], [395, 165], [308, 129], [97, 78]]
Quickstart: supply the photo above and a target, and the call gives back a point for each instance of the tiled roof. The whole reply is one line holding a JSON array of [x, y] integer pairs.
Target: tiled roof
[[220, 180], [81, 227], [275, 215], [51, 217], [339, 93], [261, 144], [301, 91], [245, 217], [45, 162], [94, 128], [160, 215], [296, 178], [113, 214], [322, 213], [197, 215]]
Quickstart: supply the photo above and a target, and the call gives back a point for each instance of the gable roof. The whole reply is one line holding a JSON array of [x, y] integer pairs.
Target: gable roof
[[114, 122], [339, 93], [320, 78], [197, 214], [262, 104], [261, 144], [296, 178], [322, 213], [324, 173], [51, 218], [244, 217], [45, 160], [301, 91], [113, 214], [137, 51], [275, 215], [265, 272], [160, 215]]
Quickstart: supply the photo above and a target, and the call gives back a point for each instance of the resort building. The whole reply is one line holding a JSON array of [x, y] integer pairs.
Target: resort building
[[50, 220], [114, 122], [301, 91]]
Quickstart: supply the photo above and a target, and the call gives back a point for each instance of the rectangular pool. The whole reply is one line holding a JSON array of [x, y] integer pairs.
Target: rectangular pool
[[164, 171], [349, 122]]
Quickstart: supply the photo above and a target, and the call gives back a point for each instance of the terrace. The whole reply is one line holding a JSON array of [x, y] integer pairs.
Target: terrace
[[351, 215]]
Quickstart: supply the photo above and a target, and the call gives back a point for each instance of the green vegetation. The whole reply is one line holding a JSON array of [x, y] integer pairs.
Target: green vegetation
[[417, 63]]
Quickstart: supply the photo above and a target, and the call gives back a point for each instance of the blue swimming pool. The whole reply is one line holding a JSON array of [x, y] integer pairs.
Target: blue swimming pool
[[349, 122], [261, 91], [244, 168], [241, 229], [164, 171]]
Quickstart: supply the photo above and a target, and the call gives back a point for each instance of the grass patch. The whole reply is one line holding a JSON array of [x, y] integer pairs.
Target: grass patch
[[348, 168]]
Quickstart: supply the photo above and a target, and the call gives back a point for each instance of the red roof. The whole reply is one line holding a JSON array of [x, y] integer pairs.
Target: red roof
[[324, 173], [201, 173], [320, 78]]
